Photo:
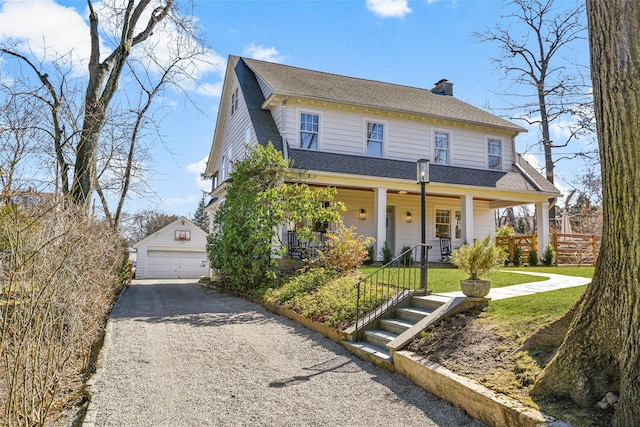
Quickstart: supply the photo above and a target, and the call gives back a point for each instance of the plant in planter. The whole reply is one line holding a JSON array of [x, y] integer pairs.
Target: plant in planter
[[477, 261]]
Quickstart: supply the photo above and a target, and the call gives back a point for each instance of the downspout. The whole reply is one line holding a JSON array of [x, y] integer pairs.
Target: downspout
[[283, 123]]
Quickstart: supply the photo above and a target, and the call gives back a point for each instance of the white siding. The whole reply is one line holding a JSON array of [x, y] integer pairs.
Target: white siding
[[264, 87], [344, 131], [235, 130], [172, 258], [408, 233]]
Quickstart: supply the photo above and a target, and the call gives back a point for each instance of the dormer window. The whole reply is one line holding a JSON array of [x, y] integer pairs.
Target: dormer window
[[441, 152], [494, 151], [375, 137], [309, 131]]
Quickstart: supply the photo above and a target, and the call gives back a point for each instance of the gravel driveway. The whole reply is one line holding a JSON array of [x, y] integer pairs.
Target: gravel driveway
[[178, 354]]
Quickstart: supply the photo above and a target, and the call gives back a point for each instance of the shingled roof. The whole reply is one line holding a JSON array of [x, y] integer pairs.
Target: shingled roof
[[526, 180], [387, 168], [293, 81]]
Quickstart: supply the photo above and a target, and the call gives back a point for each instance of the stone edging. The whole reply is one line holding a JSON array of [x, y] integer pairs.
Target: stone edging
[[476, 400]]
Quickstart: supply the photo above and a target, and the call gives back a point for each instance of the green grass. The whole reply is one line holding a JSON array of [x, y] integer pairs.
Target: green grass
[[520, 316], [448, 279]]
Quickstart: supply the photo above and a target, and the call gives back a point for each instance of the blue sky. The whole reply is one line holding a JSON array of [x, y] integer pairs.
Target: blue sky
[[413, 43]]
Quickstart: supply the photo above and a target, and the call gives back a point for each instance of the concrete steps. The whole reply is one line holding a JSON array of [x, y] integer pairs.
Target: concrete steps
[[373, 346]]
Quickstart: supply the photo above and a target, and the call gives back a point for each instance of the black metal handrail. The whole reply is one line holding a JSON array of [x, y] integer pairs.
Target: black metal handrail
[[393, 282]]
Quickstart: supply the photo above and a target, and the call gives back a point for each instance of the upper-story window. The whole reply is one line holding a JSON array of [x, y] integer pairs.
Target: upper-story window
[[309, 131], [494, 150], [234, 101], [441, 152], [375, 137]]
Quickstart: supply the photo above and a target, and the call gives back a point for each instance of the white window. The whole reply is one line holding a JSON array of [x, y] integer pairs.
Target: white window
[[375, 137], [494, 150], [234, 101], [309, 131], [441, 148], [247, 135], [443, 223]]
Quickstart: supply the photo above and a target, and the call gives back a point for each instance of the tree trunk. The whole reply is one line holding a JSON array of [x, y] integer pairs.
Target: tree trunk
[[602, 350]]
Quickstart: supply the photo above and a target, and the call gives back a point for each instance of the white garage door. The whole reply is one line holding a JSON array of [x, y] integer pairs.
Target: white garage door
[[176, 265]]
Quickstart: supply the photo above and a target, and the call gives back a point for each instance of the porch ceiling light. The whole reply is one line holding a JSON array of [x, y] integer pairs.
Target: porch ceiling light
[[422, 171]]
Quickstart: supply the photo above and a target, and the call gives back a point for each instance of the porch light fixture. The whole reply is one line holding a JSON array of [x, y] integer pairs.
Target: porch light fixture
[[363, 214], [423, 171], [422, 178], [408, 217]]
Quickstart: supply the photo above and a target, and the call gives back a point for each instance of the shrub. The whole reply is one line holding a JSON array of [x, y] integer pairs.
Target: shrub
[[533, 258], [59, 278], [479, 259], [516, 258], [386, 253], [344, 250], [371, 255], [407, 258], [256, 205], [294, 285], [505, 230], [549, 255]]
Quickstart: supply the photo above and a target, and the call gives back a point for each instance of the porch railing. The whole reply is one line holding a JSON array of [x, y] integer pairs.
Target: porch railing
[[390, 284]]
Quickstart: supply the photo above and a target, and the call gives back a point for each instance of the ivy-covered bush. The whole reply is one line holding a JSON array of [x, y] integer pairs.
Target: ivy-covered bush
[[257, 203]]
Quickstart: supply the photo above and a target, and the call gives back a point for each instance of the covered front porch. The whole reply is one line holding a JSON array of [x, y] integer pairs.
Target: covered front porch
[[392, 216]]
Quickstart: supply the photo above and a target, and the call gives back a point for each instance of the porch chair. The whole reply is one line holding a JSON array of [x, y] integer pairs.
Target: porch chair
[[445, 249], [295, 248]]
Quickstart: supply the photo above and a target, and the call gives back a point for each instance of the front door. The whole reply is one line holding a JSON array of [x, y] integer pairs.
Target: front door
[[391, 228]]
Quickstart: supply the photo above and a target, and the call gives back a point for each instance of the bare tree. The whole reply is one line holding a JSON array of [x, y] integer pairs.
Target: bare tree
[[601, 352], [148, 40], [544, 88]]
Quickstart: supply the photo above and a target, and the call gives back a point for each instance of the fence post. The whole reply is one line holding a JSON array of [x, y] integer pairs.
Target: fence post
[[510, 246], [554, 237], [592, 241]]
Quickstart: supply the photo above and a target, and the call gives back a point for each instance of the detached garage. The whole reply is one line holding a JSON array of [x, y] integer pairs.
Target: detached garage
[[176, 251]]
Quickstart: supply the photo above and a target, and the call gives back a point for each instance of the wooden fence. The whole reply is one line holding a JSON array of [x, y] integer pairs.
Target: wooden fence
[[571, 249]]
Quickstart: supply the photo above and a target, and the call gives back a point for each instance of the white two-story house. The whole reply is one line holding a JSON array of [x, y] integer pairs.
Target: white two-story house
[[364, 137]]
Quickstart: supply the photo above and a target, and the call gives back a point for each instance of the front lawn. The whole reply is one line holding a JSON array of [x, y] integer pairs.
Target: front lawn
[[448, 279]]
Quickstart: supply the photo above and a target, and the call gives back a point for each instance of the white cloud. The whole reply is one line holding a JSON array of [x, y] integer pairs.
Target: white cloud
[[263, 53], [196, 169], [389, 8], [46, 29], [209, 89]]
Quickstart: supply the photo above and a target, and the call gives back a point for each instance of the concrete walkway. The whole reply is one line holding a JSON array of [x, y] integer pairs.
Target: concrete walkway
[[555, 282]]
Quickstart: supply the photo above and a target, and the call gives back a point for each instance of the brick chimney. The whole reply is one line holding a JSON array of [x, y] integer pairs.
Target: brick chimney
[[443, 87]]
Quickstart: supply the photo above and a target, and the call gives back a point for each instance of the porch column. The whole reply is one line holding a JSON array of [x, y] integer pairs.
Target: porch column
[[542, 225], [380, 218], [466, 205]]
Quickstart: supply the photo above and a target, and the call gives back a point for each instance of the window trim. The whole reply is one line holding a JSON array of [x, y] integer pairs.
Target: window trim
[[383, 142], [487, 154], [449, 147], [435, 221], [452, 221], [299, 113]]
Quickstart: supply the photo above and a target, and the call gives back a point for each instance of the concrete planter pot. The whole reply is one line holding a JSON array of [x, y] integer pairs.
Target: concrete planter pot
[[475, 288]]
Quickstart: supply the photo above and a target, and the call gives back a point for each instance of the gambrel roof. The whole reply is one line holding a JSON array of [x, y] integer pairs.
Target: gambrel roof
[[292, 81]]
